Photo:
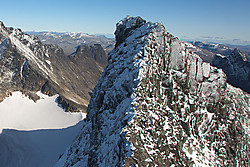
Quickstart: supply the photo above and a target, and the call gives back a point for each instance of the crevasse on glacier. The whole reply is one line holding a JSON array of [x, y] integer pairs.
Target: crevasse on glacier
[[158, 104]]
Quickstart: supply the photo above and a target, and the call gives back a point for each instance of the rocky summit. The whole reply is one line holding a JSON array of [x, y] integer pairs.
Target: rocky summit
[[158, 104], [29, 66]]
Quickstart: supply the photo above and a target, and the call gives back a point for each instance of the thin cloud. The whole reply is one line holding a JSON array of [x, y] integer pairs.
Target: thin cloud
[[235, 40], [211, 37]]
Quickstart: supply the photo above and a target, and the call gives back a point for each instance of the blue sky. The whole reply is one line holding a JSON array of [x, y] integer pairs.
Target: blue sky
[[214, 20]]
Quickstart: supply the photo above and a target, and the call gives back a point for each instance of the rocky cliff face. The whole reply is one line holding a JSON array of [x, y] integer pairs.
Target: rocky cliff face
[[158, 104], [29, 66], [207, 51], [95, 52], [233, 62]]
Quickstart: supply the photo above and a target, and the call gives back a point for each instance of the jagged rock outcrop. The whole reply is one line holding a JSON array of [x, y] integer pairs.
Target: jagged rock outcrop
[[207, 51], [29, 66], [157, 104], [233, 62], [95, 52], [237, 68]]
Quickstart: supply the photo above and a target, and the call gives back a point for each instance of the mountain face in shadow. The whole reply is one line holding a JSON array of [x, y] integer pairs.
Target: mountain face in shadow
[[237, 68], [35, 147], [233, 62]]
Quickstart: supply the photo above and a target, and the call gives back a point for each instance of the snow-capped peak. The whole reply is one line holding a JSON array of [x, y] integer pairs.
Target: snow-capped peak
[[157, 104]]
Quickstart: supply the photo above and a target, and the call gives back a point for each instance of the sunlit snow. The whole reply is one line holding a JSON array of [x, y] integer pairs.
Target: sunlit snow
[[35, 134], [19, 112]]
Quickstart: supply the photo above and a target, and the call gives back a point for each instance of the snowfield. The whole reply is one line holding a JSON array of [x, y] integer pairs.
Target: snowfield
[[35, 134]]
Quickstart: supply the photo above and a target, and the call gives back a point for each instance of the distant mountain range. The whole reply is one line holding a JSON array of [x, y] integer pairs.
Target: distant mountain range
[[208, 50], [243, 48], [69, 41]]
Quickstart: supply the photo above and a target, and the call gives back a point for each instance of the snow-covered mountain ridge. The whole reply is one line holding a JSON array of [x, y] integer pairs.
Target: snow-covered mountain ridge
[[28, 65], [158, 104]]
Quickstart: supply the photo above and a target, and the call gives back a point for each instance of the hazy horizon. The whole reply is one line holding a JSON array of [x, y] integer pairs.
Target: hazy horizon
[[223, 21]]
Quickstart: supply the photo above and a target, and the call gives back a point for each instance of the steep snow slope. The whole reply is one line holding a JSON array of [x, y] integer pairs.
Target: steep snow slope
[[158, 104], [23, 140]]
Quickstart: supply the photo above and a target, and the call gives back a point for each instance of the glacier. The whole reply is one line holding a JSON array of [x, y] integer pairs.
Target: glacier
[[35, 133]]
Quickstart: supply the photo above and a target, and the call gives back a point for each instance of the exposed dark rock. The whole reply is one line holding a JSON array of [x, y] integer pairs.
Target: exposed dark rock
[[237, 68], [29, 66], [95, 52], [232, 61], [124, 30]]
